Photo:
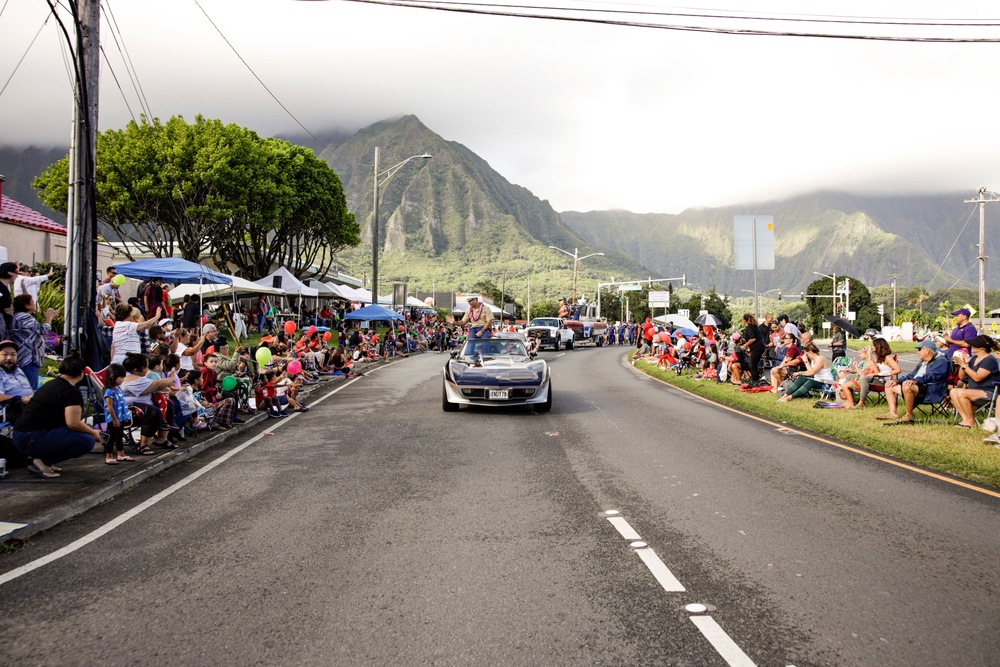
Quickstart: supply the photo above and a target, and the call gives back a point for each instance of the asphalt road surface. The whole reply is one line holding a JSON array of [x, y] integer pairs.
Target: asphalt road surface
[[378, 530]]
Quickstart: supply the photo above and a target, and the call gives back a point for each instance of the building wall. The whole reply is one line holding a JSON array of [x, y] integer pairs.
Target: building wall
[[30, 246]]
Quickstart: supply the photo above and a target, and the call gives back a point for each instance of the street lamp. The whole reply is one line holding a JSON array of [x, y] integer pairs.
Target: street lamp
[[834, 279], [576, 261], [385, 176]]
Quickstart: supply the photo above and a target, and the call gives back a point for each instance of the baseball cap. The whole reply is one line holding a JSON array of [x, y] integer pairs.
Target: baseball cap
[[474, 297], [928, 344], [960, 311], [7, 343], [7, 269]]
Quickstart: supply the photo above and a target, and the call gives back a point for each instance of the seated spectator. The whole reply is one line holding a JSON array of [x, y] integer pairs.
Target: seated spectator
[[791, 362], [816, 374], [211, 392], [981, 373], [51, 429], [14, 384], [886, 364], [850, 378], [139, 390], [926, 384]]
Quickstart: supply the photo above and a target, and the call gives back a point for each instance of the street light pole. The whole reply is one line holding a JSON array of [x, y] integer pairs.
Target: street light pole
[[387, 174], [576, 262]]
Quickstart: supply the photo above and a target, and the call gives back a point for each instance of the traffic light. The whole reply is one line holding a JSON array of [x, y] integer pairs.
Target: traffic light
[[779, 295]]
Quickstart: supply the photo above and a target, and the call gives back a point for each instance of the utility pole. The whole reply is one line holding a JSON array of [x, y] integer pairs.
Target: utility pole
[[982, 201], [894, 276], [81, 250]]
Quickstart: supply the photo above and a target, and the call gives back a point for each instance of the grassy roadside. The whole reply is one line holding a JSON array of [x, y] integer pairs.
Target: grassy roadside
[[937, 446], [897, 346]]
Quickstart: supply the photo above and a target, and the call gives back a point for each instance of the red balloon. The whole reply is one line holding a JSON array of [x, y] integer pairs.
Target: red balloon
[[664, 336], [310, 331], [327, 336], [289, 327]]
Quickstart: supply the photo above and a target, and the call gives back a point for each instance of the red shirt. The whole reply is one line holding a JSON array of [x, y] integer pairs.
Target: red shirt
[[208, 387]]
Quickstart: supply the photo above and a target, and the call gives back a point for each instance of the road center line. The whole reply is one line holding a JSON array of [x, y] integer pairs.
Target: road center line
[[623, 528], [119, 520], [660, 571], [723, 643]]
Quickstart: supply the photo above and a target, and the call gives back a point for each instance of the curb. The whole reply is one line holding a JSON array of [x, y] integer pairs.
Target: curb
[[114, 488]]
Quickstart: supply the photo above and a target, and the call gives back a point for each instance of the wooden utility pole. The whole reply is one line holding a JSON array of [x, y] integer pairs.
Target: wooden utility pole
[[982, 201], [81, 247]]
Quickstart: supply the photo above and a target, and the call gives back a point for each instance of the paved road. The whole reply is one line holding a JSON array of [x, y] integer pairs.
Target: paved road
[[378, 530]]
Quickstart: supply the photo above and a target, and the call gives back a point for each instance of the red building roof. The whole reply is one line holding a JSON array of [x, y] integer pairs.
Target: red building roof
[[16, 213]]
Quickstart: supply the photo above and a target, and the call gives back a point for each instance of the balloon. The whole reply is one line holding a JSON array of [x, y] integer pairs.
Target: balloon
[[228, 383], [289, 327], [263, 356], [327, 336], [210, 350], [118, 280], [294, 368], [310, 331], [664, 336]]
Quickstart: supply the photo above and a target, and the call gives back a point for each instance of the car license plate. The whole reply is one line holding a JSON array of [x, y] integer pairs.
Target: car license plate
[[499, 394]]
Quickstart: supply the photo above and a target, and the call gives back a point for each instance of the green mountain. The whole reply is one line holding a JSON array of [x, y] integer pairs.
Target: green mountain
[[451, 221], [925, 240]]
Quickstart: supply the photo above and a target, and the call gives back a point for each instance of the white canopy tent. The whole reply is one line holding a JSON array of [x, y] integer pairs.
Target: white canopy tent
[[322, 289], [366, 297], [239, 285], [345, 292], [287, 283], [676, 320]]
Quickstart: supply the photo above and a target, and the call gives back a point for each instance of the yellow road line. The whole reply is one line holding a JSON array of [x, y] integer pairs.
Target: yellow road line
[[850, 448]]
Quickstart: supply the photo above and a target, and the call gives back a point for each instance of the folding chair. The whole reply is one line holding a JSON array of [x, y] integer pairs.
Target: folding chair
[[985, 407]]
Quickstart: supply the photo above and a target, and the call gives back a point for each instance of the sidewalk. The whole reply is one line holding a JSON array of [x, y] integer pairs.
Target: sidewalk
[[30, 504]]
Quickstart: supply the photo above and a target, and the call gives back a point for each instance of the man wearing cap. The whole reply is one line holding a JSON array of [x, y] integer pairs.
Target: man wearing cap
[[964, 332], [563, 308], [14, 384], [8, 270], [926, 384], [479, 319]]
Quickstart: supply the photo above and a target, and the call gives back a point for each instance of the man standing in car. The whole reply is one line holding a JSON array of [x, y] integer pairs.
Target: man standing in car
[[479, 318]]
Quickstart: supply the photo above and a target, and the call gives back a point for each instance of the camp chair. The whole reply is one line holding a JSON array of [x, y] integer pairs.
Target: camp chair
[[942, 409], [92, 391], [985, 407], [829, 391]]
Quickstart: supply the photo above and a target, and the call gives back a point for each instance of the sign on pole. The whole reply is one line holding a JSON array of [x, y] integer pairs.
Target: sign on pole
[[659, 299], [630, 288], [748, 229]]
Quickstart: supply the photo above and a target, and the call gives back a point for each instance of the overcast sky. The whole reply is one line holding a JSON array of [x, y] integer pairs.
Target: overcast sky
[[585, 116]]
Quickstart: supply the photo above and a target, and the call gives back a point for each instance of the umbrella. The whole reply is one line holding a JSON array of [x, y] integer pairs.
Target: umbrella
[[844, 324], [684, 331], [708, 320]]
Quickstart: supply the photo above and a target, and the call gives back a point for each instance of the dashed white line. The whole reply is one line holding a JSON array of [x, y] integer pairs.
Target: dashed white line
[[660, 571], [623, 528], [723, 643]]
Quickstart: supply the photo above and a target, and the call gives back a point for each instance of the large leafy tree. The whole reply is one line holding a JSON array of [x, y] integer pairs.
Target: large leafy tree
[[213, 188], [819, 298]]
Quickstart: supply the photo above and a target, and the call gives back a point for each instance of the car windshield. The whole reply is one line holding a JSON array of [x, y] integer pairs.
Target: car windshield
[[495, 348], [544, 322]]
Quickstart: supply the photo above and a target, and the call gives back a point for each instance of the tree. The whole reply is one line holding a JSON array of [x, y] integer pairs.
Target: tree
[[208, 187], [819, 297]]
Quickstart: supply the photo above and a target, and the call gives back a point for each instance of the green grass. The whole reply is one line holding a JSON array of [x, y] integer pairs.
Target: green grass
[[897, 346], [937, 446]]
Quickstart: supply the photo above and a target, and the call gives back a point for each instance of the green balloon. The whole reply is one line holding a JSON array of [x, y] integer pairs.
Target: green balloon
[[228, 383], [263, 356], [118, 280]]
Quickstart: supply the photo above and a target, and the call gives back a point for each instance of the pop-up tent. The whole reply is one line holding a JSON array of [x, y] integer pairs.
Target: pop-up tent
[[284, 280], [239, 286], [373, 313], [344, 292], [173, 270]]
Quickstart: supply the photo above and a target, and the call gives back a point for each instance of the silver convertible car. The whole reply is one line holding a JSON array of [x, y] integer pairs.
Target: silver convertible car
[[496, 372]]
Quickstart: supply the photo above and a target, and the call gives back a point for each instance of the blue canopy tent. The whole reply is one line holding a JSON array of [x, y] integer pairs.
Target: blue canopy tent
[[373, 313], [173, 270]]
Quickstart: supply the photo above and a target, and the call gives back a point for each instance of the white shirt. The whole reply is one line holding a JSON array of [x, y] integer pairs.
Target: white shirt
[[187, 363], [28, 285], [792, 329], [125, 339]]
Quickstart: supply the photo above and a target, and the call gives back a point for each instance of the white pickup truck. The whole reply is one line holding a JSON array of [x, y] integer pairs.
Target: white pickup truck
[[550, 332]]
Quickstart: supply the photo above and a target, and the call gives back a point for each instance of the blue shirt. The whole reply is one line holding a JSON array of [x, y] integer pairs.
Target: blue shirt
[[989, 362], [15, 384], [965, 332], [118, 403]]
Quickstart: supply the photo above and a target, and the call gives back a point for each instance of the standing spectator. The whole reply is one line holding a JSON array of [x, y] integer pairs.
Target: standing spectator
[[838, 344], [28, 282], [116, 414], [51, 428], [29, 334], [789, 327], [964, 332], [152, 298], [126, 336], [753, 345], [262, 310], [7, 272], [110, 274], [192, 311]]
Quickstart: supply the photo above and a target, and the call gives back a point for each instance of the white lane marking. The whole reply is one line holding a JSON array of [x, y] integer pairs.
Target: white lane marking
[[660, 571], [114, 523], [723, 643], [623, 528]]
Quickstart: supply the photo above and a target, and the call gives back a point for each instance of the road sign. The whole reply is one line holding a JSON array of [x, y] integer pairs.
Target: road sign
[[753, 235], [630, 288], [659, 304], [659, 299]]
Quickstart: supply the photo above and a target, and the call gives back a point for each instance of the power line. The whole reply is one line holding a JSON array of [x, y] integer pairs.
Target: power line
[[479, 10], [117, 83], [18, 65], [127, 57]]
